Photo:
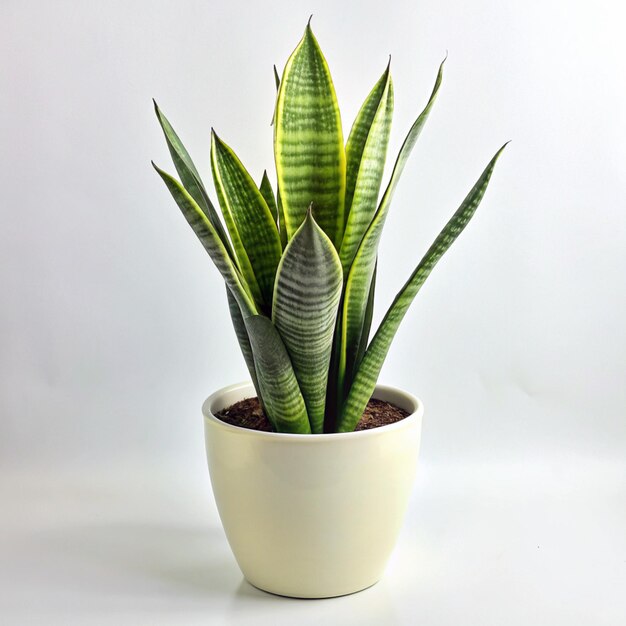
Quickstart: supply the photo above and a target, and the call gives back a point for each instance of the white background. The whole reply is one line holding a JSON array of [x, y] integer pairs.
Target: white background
[[114, 325]]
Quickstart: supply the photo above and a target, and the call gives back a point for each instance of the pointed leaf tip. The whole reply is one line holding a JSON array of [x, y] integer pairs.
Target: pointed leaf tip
[[248, 219], [309, 149], [496, 156], [216, 139], [364, 382], [306, 296]]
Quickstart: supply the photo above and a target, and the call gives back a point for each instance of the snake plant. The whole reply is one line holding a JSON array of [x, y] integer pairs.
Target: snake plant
[[300, 264]]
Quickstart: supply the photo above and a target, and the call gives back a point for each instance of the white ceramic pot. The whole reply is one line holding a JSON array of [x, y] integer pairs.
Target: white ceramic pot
[[312, 516]]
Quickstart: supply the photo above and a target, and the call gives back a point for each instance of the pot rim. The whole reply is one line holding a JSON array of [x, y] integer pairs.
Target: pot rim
[[415, 416]]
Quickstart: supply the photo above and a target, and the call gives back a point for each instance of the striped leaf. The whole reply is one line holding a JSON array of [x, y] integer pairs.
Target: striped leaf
[[306, 298], [367, 375], [268, 195], [190, 178], [358, 282], [249, 221], [308, 142], [211, 241], [283, 402], [366, 152]]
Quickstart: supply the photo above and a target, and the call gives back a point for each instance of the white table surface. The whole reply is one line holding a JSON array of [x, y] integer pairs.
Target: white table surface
[[512, 543]]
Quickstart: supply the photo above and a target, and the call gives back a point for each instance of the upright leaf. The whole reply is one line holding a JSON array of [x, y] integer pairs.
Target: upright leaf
[[277, 82], [367, 324], [276, 78], [367, 375], [190, 178], [366, 152], [242, 338], [211, 241], [268, 195], [249, 221], [282, 227], [358, 282], [284, 404], [280, 211], [334, 395], [308, 142], [306, 297]]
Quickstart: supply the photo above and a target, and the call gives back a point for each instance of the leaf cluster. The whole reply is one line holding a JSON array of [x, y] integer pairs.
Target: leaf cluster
[[300, 262]]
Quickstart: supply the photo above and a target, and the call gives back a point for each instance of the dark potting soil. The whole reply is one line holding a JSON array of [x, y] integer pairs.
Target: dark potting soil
[[249, 414]]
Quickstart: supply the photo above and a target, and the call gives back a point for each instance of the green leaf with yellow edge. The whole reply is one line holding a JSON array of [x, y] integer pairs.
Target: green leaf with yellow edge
[[365, 380], [190, 178], [268, 195], [359, 279], [208, 236], [308, 142], [249, 221], [366, 151]]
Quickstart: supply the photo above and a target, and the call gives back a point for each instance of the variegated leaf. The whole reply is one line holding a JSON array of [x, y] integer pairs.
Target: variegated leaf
[[249, 221], [366, 152], [190, 178], [268, 195], [308, 142], [282, 399], [369, 369], [211, 241], [358, 282], [306, 297]]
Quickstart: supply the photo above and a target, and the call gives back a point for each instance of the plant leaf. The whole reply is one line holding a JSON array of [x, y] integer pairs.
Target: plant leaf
[[335, 396], [276, 78], [277, 81], [308, 142], [249, 221], [366, 152], [367, 324], [190, 178], [283, 401], [211, 241], [367, 375], [282, 227], [358, 282], [306, 298], [268, 195], [242, 337]]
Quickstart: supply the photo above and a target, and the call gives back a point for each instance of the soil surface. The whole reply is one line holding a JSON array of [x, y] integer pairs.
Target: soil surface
[[249, 414]]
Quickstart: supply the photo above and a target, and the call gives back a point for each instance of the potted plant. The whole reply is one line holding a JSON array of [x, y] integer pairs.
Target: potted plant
[[311, 506]]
